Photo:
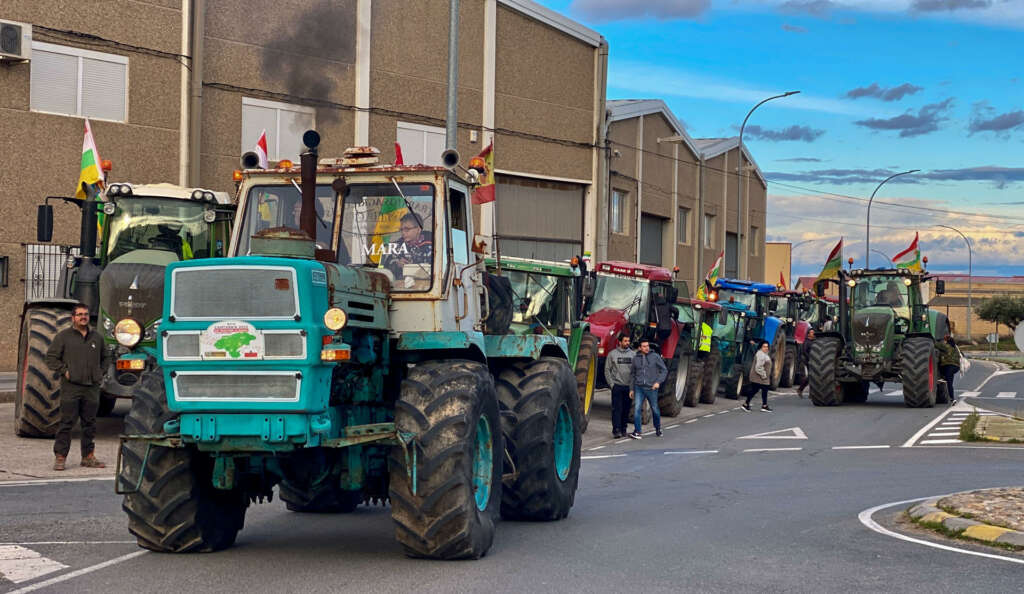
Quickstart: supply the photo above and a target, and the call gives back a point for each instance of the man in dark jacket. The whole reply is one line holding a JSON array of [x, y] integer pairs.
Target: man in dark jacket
[[648, 372], [802, 360], [618, 366], [80, 357]]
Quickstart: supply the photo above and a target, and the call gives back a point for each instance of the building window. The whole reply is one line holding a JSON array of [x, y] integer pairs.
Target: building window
[[683, 225], [76, 82], [284, 123], [618, 211], [755, 241], [421, 145], [709, 231]]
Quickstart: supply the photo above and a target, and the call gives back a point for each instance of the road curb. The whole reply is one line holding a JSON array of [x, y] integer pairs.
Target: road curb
[[928, 515]]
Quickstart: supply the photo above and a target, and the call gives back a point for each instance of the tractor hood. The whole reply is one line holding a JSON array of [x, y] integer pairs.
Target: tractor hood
[[132, 290], [606, 325], [873, 330]]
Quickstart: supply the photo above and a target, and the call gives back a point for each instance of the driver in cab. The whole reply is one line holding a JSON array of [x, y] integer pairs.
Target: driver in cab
[[415, 247], [889, 296]]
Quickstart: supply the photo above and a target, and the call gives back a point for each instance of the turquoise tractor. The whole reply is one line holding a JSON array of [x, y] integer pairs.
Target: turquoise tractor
[[885, 333], [353, 349], [701, 368], [118, 273], [548, 298], [730, 340], [760, 324]]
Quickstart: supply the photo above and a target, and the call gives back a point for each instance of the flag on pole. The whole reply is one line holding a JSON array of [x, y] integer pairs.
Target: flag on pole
[[711, 278], [909, 258], [261, 150], [833, 264], [398, 155], [782, 280], [91, 172], [484, 193]]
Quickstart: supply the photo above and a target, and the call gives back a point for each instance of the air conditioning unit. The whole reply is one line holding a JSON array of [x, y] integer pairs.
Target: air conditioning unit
[[15, 41]]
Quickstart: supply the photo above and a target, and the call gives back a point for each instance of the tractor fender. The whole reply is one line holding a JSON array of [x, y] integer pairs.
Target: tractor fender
[[470, 343], [525, 346], [607, 324], [800, 334], [668, 347], [772, 325]]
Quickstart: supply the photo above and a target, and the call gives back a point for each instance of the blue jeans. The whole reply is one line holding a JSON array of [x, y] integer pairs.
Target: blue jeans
[[651, 396]]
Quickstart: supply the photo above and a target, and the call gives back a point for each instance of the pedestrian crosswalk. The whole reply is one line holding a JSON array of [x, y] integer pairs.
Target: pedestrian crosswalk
[[947, 430]]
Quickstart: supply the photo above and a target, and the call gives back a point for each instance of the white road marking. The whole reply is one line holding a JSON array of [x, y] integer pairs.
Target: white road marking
[[924, 430], [773, 450], [19, 564], [69, 542], [930, 441], [1006, 395], [943, 433], [866, 519], [672, 426], [692, 452], [706, 416], [794, 433], [690, 421], [873, 390], [895, 392], [722, 412], [76, 573], [996, 374], [33, 482], [866, 447], [623, 440], [595, 448], [600, 457], [966, 394]]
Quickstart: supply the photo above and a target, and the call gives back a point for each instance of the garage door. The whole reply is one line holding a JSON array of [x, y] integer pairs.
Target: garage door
[[538, 218], [650, 239]]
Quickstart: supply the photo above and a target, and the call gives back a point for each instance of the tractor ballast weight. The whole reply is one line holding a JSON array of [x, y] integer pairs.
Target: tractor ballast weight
[[121, 284], [348, 362], [884, 333]]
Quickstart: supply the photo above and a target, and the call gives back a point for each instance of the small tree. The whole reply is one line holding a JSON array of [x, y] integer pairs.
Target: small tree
[[1002, 309]]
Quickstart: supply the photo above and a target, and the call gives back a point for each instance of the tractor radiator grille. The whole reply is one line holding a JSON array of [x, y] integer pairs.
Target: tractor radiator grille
[[869, 330], [233, 386], [233, 293]]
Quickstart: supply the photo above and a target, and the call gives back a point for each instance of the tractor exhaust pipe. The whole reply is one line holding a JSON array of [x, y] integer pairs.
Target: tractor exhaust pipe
[[307, 216]]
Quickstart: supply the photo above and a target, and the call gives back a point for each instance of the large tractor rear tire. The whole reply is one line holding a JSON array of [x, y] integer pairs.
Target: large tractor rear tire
[[778, 353], [539, 420], [312, 488], [822, 363], [586, 377], [450, 408], [788, 367], [732, 386], [176, 508], [710, 377], [37, 401], [682, 385], [919, 372]]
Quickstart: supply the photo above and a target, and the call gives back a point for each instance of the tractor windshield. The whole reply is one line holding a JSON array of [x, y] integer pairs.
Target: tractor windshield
[[279, 206], [874, 291], [168, 229], [626, 294], [748, 299], [781, 308], [539, 301], [391, 231]]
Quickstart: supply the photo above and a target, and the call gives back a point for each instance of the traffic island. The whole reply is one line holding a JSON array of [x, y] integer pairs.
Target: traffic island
[[990, 516], [992, 428]]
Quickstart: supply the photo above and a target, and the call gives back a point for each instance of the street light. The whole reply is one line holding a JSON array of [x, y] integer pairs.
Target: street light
[[884, 254], [970, 258], [867, 243], [739, 173]]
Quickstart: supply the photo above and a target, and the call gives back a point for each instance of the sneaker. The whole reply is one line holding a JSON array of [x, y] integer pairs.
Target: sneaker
[[616, 435], [746, 407], [635, 435], [766, 408], [58, 462], [953, 402], [658, 433], [90, 461]]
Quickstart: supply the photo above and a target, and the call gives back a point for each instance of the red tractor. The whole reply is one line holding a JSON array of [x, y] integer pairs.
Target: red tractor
[[637, 300], [794, 309]]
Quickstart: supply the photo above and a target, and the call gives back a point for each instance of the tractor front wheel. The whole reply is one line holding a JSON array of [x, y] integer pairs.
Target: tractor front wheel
[[586, 377], [445, 483], [778, 351], [919, 372], [539, 420], [710, 377], [682, 385], [176, 509], [788, 367], [822, 364]]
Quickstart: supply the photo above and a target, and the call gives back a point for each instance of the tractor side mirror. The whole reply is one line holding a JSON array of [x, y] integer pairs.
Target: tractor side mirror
[[589, 286], [44, 223], [940, 287]]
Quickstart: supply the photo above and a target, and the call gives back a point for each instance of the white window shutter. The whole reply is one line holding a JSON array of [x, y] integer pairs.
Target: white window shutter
[[256, 119], [103, 89], [290, 128], [54, 82]]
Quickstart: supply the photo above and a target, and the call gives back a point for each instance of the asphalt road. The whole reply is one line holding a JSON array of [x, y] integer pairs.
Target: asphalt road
[[696, 510]]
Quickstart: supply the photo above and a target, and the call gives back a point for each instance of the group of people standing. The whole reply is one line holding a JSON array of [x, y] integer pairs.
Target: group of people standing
[[634, 375]]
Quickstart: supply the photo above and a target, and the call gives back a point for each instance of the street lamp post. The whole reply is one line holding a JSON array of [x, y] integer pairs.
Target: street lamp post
[[867, 243], [970, 258], [739, 174]]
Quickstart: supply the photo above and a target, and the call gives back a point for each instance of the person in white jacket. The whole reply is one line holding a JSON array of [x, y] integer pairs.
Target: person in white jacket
[[760, 377]]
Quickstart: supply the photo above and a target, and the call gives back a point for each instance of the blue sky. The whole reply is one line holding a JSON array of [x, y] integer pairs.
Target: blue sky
[[886, 86]]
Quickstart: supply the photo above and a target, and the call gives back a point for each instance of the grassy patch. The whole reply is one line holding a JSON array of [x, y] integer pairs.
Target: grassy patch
[[969, 426], [941, 529]]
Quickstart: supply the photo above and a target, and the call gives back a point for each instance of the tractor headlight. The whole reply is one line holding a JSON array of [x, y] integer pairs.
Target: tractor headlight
[[127, 332], [335, 319], [907, 281], [851, 283]]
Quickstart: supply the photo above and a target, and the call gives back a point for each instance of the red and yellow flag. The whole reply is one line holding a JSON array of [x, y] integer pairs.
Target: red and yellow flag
[[484, 193], [91, 172], [834, 263]]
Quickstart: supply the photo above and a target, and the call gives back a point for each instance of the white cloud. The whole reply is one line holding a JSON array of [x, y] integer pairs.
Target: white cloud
[[1002, 13]]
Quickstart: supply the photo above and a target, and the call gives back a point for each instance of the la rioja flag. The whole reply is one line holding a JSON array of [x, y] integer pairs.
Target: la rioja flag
[[261, 150]]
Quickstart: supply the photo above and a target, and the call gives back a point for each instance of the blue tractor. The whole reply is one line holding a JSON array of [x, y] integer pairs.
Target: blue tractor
[[753, 298], [351, 349]]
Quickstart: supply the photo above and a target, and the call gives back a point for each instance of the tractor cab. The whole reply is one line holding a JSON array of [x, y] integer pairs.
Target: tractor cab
[[691, 313], [636, 300]]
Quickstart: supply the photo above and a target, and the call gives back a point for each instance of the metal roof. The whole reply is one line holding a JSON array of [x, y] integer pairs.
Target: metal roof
[[624, 109], [712, 147], [553, 19]]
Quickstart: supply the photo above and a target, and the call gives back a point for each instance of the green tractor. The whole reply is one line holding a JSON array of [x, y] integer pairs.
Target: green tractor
[[701, 369], [146, 227], [884, 333], [548, 299], [365, 358]]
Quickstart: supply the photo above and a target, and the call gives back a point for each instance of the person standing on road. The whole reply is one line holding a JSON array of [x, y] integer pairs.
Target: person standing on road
[[949, 364], [760, 376], [618, 369], [802, 360], [79, 356], [648, 371]]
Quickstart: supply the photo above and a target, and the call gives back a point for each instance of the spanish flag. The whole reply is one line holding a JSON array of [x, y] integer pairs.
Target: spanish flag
[[484, 193], [91, 172]]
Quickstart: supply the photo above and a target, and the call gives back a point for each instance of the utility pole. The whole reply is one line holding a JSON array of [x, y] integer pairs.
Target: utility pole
[[970, 274], [867, 243]]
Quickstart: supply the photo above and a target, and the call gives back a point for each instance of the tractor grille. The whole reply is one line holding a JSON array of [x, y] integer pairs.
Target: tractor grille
[[869, 330], [233, 386], [279, 344], [234, 293]]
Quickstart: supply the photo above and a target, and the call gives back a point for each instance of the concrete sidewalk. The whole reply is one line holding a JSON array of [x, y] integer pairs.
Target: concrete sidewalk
[[8, 385]]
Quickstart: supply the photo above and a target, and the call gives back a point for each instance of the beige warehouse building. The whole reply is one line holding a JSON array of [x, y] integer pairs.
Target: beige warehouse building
[[177, 90]]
